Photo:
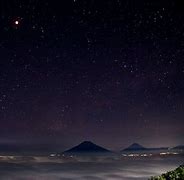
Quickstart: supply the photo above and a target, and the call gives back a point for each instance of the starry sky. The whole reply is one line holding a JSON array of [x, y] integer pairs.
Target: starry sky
[[108, 71]]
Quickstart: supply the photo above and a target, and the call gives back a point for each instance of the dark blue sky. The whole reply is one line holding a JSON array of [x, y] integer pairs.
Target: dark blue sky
[[108, 71]]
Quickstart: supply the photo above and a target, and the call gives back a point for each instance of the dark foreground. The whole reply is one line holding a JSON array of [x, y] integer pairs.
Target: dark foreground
[[177, 174]]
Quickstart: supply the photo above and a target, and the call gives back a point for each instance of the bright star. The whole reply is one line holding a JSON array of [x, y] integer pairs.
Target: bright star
[[17, 22]]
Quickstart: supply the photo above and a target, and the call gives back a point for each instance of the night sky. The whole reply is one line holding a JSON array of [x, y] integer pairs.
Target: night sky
[[108, 71]]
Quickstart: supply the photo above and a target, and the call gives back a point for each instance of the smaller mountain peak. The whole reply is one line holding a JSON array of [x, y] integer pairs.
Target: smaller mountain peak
[[135, 146]]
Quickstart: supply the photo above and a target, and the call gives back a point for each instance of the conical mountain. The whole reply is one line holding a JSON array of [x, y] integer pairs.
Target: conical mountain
[[87, 147]]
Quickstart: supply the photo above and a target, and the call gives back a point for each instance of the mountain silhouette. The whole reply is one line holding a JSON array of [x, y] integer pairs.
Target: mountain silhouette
[[135, 147], [87, 147]]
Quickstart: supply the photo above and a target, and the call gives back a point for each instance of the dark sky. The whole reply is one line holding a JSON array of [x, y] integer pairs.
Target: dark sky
[[109, 71]]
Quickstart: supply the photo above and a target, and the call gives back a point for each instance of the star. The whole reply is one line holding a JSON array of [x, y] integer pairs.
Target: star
[[16, 22]]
